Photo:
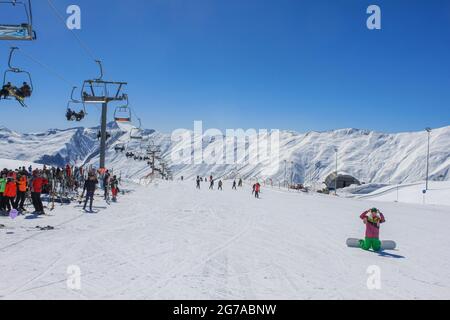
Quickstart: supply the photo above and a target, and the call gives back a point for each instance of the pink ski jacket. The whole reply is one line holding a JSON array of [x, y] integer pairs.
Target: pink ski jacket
[[372, 228]]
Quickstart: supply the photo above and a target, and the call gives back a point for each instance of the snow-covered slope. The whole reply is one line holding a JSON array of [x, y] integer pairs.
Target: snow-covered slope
[[437, 194], [13, 164], [369, 156], [201, 244]]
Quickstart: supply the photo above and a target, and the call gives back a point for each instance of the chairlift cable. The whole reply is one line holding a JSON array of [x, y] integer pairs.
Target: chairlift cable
[[82, 44], [135, 115], [44, 66]]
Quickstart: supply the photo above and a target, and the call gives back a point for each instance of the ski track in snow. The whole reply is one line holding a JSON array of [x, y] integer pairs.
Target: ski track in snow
[[171, 241]]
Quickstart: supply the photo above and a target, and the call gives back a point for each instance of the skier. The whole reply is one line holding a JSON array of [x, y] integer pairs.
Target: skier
[[198, 182], [90, 185], [38, 183], [211, 185], [257, 190], [22, 191], [3, 182], [106, 178], [240, 183], [26, 90], [114, 188], [10, 193], [234, 185], [5, 90], [70, 114], [254, 189], [220, 185], [373, 219]]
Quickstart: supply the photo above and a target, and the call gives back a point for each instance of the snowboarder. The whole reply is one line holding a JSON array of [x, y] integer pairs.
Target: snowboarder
[[220, 185], [90, 185], [240, 183], [373, 219]]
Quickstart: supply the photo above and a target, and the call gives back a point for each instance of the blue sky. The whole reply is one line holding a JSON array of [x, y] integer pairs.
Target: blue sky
[[286, 64]]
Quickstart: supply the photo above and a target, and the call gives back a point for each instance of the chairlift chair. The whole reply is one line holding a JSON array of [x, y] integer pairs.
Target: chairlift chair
[[123, 113], [120, 147], [137, 133], [16, 93], [71, 115], [19, 31], [95, 91]]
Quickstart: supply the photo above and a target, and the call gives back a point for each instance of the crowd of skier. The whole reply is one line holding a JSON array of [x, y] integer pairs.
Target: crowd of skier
[[23, 187], [256, 189], [372, 218]]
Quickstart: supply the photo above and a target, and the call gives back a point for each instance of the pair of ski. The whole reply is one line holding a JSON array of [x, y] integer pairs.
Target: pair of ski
[[385, 245]]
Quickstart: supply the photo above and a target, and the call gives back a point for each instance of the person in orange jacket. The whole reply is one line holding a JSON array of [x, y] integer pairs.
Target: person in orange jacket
[[10, 193], [22, 186]]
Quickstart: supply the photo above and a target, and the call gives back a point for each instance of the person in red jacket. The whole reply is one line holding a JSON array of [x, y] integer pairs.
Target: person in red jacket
[[257, 190], [37, 184], [68, 171], [10, 193]]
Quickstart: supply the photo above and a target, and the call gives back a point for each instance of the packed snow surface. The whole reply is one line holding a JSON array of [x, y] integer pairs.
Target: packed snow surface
[[171, 241]]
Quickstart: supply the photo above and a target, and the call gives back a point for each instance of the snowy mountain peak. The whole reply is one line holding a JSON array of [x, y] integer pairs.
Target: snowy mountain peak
[[369, 156]]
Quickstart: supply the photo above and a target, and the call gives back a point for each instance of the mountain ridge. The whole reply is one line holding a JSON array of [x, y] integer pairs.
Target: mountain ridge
[[370, 156]]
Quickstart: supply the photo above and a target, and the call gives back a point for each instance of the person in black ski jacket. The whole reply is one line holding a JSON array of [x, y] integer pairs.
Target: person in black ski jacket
[[106, 182], [90, 185]]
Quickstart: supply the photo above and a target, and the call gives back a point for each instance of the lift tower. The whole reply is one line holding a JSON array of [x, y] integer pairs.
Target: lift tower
[[96, 91]]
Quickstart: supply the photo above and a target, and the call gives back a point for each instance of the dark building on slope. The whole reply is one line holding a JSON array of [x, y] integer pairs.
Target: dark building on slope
[[343, 181]]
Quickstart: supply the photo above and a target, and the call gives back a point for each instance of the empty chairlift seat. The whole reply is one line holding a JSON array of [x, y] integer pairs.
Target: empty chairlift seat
[[17, 30]]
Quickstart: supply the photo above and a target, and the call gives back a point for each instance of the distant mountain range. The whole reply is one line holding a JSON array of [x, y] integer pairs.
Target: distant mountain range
[[369, 156]]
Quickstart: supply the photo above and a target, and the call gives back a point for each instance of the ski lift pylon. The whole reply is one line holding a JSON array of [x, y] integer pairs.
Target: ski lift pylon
[[18, 31]]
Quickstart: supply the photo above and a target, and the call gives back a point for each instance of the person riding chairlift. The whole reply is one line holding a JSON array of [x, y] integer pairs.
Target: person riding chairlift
[[25, 90], [75, 116], [22, 92], [5, 90]]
